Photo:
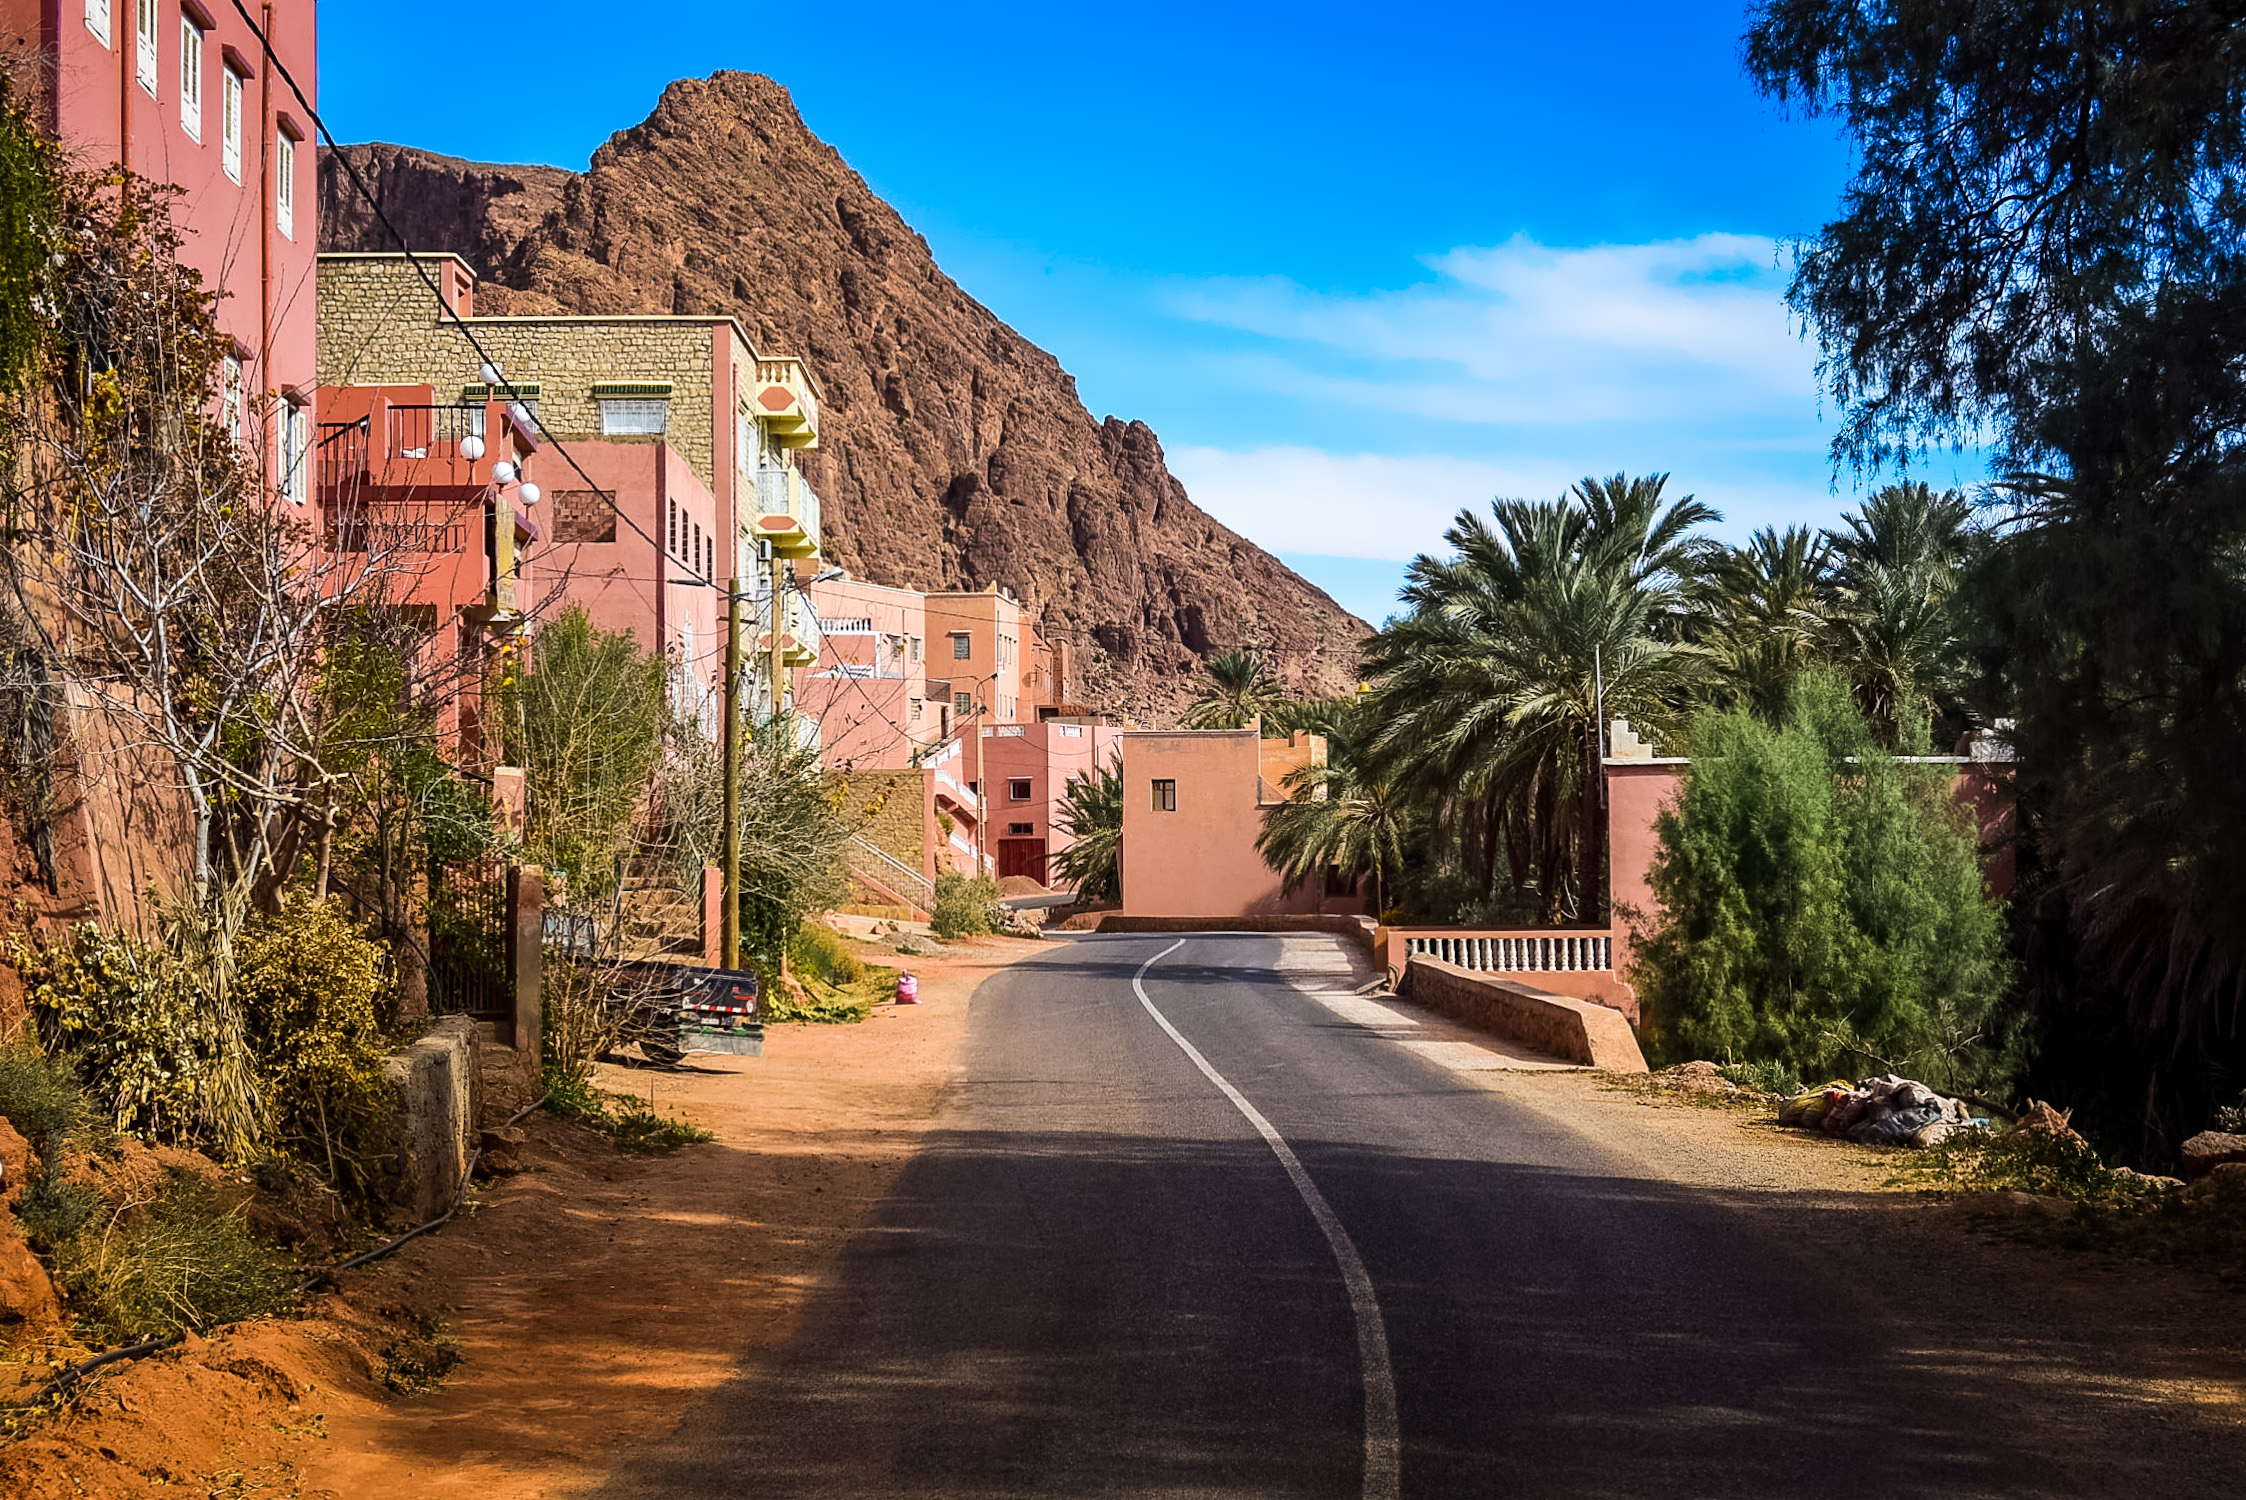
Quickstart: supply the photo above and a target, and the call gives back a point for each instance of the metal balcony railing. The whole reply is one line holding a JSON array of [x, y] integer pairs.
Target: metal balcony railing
[[783, 497]]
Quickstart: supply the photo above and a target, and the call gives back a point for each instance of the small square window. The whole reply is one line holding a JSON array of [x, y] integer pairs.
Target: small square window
[[961, 644], [1017, 788], [1165, 796]]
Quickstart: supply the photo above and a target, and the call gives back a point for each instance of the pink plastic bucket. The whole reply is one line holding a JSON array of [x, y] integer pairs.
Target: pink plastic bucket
[[908, 990]]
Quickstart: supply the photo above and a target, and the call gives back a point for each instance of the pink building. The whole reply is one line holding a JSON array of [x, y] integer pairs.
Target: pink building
[[1193, 805], [868, 691], [1026, 768], [181, 92]]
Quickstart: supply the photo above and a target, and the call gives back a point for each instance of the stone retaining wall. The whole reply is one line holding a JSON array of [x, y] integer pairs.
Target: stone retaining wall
[[1581, 1031]]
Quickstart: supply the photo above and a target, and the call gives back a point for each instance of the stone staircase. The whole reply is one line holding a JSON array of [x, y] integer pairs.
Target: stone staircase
[[660, 920]]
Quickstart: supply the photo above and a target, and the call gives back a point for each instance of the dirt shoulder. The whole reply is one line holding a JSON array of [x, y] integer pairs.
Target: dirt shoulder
[[591, 1297]]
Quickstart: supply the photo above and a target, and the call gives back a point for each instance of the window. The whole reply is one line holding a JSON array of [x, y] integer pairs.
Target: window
[[230, 397], [296, 432], [97, 20], [191, 78], [916, 710], [961, 644], [1016, 830], [962, 704], [634, 416], [144, 43], [1069, 731], [1017, 788], [284, 184], [695, 557], [1165, 796], [916, 648], [744, 441], [230, 122]]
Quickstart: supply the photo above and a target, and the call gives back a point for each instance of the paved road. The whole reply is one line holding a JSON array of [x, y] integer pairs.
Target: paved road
[[1102, 1279]]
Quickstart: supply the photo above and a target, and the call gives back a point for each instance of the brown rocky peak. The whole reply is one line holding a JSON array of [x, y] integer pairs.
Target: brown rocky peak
[[953, 452]]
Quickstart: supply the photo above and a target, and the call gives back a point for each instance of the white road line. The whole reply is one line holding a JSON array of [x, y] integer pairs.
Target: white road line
[[1383, 1445]]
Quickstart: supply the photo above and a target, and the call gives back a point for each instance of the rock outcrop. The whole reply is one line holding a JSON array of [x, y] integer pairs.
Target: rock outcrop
[[954, 453]]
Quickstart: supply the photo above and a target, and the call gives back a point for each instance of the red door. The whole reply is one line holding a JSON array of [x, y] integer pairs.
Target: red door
[[1022, 857]]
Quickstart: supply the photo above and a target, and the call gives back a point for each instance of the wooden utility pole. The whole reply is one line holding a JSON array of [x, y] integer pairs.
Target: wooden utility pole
[[729, 943], [779, 569]]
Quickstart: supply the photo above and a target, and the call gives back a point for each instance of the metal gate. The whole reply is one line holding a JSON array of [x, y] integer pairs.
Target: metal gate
[[468, 942]]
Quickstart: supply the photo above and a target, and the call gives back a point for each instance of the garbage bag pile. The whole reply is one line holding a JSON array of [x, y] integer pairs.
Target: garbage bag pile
[[1887, 1111]]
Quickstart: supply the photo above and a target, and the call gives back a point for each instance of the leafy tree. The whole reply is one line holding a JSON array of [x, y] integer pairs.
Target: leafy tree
[[588, 727], [1240, 687], [1822, 905], [2045, 242], [1091, 814], [1488, 707]]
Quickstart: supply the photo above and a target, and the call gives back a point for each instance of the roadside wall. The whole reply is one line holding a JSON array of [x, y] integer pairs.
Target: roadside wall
[[1581, 1031]]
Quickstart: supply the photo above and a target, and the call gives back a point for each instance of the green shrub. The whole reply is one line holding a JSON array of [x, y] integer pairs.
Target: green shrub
[[2060, 1166], [1822, 907], [964, 907], [184, 1262], [1763, 1077], [821, 953], [310, 984], [639, 1128], [39, 1096], [159, 1051]]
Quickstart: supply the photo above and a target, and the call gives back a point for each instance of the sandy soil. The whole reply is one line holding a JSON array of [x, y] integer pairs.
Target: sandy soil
[[592, 1295]]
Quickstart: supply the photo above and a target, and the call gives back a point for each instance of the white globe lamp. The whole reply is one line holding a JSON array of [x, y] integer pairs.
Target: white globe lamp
[[471, 448], [503, 472], [529, 492]]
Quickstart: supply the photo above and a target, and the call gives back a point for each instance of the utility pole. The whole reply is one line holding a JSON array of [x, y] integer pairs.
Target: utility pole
[[729, 948], [982, 792]]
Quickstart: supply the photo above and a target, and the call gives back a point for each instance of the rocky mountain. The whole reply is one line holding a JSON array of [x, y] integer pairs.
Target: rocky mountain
[[954, 452]]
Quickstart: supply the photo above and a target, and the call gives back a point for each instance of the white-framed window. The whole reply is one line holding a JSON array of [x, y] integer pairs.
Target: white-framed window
[[296, 454], [145, 23], [962, 645], [97, 20], [1017, 788], [916, 648], [230, 122], [284, 184], [190, 77], [230, 397], [634, 416]]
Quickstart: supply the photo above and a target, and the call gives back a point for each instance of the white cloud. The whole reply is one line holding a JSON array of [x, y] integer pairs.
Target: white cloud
[[1681, 331], [1346, 504]]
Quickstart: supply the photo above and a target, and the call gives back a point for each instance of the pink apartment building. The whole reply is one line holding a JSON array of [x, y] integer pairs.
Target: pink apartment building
[[182, 93], [671, 472]]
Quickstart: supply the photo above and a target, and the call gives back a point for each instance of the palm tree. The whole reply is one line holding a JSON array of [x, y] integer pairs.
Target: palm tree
[[1091, 813], [1240, 689], [1760, 617], [1891, 624], [1489, 705], [1337, 819]]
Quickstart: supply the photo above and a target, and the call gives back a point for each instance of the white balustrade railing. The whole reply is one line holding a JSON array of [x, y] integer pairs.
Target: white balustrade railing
[[1513, 952]]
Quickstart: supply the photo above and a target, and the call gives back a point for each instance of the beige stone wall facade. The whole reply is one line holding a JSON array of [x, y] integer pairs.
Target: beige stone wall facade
[[377, 326]]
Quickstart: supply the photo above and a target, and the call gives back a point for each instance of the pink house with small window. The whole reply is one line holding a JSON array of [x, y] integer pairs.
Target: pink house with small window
[[183, 93]]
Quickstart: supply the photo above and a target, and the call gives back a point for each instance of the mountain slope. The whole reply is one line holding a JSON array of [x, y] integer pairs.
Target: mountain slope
[[954, 453]]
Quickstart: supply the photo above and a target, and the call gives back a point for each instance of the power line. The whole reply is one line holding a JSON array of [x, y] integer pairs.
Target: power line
[[444, 309]]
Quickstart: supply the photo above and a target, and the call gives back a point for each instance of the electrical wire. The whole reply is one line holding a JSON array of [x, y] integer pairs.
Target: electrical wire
[[444, 309]]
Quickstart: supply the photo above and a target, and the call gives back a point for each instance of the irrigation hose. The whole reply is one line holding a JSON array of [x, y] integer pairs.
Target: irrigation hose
[[77, 1372]]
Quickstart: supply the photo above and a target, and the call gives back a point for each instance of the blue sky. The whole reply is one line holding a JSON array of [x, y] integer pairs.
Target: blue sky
[[1358, 267]]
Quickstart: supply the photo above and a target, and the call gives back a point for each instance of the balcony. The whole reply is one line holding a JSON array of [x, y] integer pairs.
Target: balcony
[[799, 630], [398, 449], [785, 402], [787, 513]]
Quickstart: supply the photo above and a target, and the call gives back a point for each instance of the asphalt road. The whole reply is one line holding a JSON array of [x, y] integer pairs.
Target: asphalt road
[[1101, 1278]]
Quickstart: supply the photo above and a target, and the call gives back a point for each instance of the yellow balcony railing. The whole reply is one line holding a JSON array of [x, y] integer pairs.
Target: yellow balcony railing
[[784, 401], [787, 512]]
